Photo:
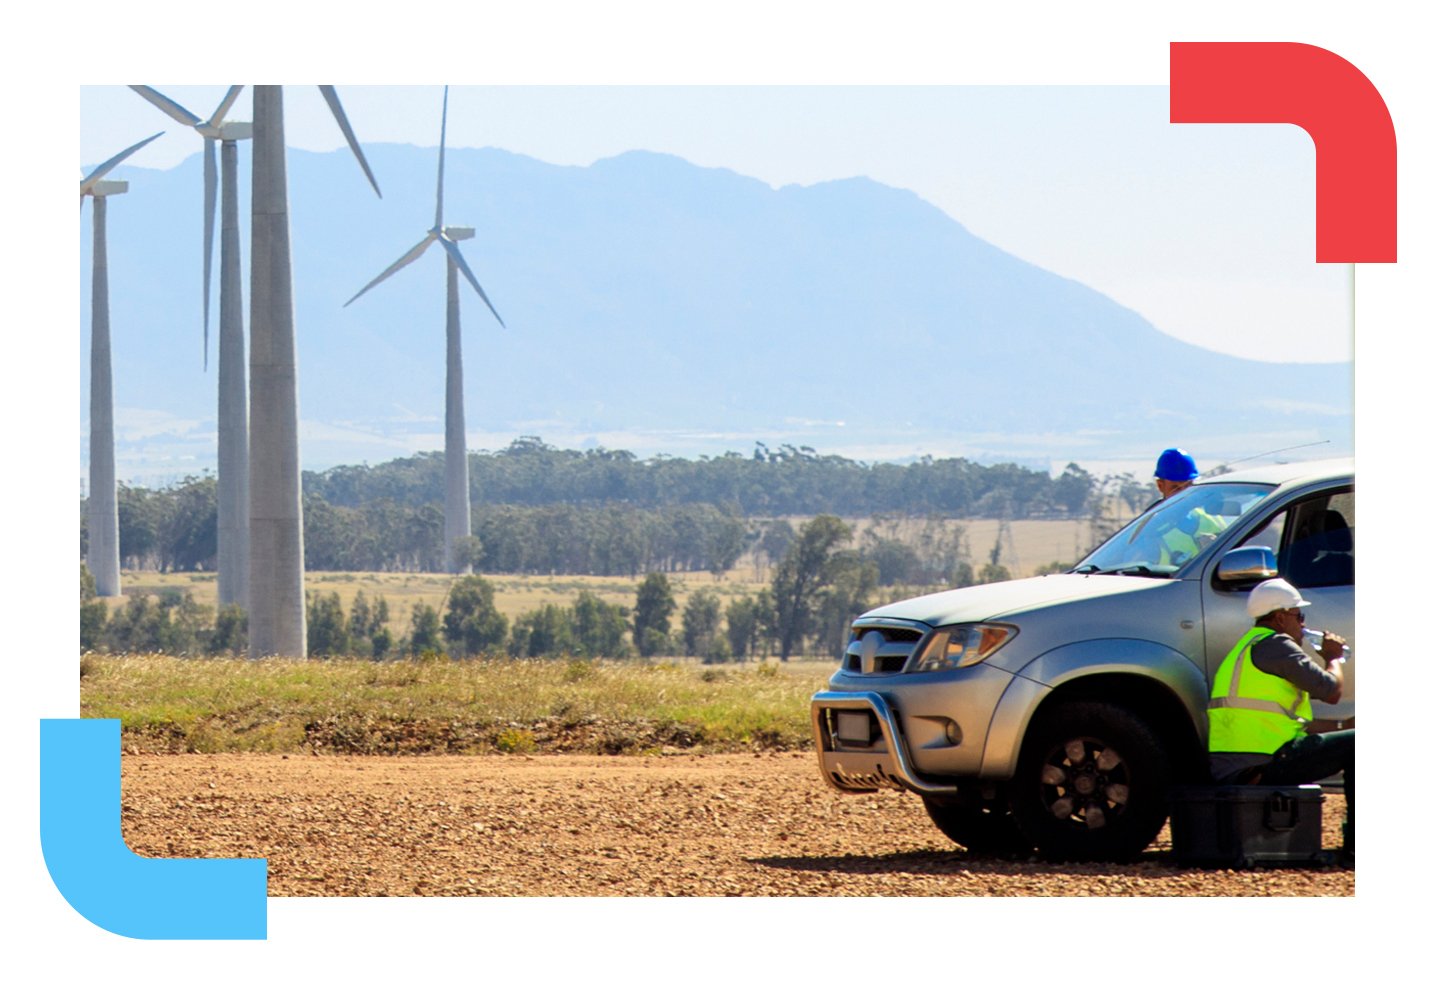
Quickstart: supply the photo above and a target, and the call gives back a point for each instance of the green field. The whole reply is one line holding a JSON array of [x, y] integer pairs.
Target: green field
[[226, 705]]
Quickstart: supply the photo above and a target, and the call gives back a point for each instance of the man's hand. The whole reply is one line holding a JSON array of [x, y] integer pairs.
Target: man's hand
[[1333, 647], [1333, 652]]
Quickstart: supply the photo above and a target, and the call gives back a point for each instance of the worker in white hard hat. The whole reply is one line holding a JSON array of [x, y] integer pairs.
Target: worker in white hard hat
[[1260, 704]]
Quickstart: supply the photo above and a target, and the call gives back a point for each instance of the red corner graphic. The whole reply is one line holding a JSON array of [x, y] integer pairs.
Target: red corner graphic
[[1356, 163]]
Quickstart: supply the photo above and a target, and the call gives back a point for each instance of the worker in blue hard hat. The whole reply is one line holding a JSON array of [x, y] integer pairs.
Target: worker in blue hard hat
[[1173, 472]]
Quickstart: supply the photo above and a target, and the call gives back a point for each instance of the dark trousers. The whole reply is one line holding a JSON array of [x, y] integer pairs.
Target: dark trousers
[[1314, 756]]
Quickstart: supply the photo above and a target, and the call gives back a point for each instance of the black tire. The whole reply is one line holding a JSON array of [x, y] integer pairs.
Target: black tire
[[979, 821], [1092, 783]]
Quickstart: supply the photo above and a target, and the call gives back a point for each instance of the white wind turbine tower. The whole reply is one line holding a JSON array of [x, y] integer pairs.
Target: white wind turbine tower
[[277, 548], [457, 477], [103, 554], [233, 442]]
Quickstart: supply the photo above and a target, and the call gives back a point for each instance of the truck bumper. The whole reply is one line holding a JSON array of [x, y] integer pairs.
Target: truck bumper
[[861, 747]]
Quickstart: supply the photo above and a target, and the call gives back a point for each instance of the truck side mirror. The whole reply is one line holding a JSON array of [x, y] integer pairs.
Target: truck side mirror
[[1247, 564]]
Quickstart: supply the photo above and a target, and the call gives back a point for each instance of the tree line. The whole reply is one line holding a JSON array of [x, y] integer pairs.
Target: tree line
[[607, 540], [823, 579], [787, 481], [603, 512]]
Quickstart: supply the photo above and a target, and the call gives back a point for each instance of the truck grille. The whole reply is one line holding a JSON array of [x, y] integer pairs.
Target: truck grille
[[880, 649]]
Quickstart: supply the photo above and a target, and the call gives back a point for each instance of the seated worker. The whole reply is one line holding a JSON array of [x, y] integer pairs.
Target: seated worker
[[1259, 706], [1194, 530], [1173, 472]]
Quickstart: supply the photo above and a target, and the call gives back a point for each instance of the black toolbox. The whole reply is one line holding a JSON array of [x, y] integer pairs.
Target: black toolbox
[[1243, 825]]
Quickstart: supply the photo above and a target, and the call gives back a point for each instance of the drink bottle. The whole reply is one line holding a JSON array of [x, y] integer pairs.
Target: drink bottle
[[1316, 641]]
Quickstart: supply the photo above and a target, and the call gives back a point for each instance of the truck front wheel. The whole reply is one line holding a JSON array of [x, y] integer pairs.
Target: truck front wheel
[[979, 819], [1092, 783]]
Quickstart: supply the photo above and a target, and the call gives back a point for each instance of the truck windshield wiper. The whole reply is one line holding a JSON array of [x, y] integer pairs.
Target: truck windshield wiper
[[1134, 569], [1139, 569]]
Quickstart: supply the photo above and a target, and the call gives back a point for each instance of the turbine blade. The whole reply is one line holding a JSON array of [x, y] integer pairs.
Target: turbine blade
[[210, 182], [225, 105], [396, 266], [459, 260], [167, 106], [328, 91], [112, 163], [440, 182]]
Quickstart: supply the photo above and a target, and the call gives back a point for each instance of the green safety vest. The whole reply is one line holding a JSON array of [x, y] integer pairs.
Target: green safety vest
[[1250, 710]]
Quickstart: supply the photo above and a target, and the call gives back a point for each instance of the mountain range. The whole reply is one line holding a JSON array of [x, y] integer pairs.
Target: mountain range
[[658, 306]]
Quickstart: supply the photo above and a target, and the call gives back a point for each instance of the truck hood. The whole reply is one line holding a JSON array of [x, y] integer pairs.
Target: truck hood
[[992, 601]]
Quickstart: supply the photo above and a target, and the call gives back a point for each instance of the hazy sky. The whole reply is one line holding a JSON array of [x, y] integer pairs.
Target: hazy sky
[[1206, 230]]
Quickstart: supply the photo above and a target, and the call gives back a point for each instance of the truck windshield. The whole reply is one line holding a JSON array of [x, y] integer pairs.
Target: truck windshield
[[1173, 533]]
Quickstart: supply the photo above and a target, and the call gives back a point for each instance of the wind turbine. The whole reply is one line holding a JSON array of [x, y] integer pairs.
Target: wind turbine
[[277, 547], [103, 554], [233, 443], [457, 478]]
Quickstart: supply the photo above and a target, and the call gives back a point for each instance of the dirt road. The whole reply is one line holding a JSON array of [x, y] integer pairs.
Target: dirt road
[[727, 825]]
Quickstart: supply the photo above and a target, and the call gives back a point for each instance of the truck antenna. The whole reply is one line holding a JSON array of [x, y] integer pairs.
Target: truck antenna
[[1268, 453]]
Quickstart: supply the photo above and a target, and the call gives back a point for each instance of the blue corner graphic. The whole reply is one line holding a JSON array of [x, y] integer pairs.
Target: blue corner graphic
[[102, 879]]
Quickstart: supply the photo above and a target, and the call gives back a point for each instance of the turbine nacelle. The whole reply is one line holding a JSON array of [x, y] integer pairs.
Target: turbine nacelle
[[209, 128], [227, 131], [447, 236], [104, 189], [89, 182]]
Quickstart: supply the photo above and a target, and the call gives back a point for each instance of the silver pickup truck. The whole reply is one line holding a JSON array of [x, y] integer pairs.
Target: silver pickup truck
[[1054, 713]]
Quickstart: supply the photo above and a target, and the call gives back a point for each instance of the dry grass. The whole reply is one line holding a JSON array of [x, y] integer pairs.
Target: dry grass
[[514, 595], [1030, 544]]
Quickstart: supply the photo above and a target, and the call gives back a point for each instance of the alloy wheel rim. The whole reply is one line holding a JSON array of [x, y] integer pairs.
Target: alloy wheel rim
[[1084, 782]]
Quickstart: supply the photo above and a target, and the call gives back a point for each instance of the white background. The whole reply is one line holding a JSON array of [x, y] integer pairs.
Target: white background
[[773, 42]]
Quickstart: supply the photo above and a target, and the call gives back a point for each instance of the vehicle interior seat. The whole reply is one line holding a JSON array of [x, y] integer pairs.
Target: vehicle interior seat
[[1325, 556]]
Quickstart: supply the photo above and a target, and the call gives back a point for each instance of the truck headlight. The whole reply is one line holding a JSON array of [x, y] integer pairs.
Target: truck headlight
[[961, 645]]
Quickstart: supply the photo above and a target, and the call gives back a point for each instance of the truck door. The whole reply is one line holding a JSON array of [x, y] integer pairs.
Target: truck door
[[1313, 540]]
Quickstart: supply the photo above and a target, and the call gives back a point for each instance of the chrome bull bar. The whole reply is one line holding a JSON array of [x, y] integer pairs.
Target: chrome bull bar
[[864, 765]]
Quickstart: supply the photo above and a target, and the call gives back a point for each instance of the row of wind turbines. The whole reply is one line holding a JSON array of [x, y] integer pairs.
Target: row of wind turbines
[[259, 511]]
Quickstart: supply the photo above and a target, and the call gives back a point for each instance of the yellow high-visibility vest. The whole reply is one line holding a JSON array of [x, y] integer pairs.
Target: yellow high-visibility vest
[[1252, 711], [1177, 546]]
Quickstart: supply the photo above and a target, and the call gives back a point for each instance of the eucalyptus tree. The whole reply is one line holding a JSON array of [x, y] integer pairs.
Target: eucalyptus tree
[[806, 569], [654, 603]]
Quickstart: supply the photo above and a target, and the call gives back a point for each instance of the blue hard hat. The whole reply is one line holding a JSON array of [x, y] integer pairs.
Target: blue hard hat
[[1176, 465]]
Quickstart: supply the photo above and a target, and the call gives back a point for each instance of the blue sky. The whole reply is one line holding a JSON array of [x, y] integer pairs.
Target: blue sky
[[1207, 231]]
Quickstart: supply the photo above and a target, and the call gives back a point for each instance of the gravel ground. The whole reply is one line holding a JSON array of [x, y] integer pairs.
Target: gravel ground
[[684, 825]]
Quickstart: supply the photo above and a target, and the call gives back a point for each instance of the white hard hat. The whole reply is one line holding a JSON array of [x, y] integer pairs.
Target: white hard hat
[[1272, 595]]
